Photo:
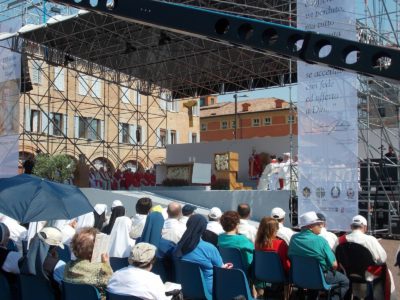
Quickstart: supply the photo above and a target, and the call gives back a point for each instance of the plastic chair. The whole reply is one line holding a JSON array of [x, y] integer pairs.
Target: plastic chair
[[234, 256], [5, 292], [73, 291], [33, 287], [268, 267], [111, 296], [12, 246], [355, 259], [64, 254], [190, 276], [306, 273], [229, 284], [118, 263]]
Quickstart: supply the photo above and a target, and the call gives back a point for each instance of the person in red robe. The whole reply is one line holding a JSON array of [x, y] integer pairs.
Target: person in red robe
[[255, 166]]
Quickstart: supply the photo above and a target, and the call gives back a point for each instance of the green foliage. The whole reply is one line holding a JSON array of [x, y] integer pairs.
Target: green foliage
[[57, 168]]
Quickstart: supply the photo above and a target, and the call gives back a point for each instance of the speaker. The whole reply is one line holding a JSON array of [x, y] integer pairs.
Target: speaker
[[26, 83], [382, 111]]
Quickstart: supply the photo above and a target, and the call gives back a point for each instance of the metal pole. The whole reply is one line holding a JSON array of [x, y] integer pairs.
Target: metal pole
[[235, 96]]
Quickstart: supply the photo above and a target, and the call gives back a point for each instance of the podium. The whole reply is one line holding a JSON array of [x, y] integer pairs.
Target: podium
[[226, 167]]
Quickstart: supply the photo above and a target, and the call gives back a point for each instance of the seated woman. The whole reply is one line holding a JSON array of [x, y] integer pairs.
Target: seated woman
[[137, 279], [192, 248], [231, 239], [120, 242], [42, 258], [267, 240], [82, 270]]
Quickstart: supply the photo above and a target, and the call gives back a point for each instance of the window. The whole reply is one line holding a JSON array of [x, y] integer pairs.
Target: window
[[89, 128], [202, 101], [125, 95], [194, 138], [267, 121], [125, 133], [196, 109], [291, 119], [36, 72], [233, 124], [203, 127], [212, 101], [256, 122], [59, 78], [174, 105], [35, 120], [172, 138], [96, 88], [138, 134], [163, 137], [57, 124], [83, 85], [224, 125]]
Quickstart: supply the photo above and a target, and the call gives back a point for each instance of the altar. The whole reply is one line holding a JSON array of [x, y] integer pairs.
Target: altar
[[183, 174]]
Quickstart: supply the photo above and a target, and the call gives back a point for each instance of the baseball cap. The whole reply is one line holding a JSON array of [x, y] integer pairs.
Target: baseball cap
[[309, 218], [215, 213], [116, 203], [278, 213], [142, 253], [51, 236], [359, 220], [188, 209]]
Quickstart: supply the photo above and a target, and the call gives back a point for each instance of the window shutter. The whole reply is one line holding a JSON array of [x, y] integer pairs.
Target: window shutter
[[138, 98], [132, 134], [76, 126], [96, 88], [198, 137], [82, 85], [51, 125], [177, 137], [102, 130], [28, 119], [59, 78], [168, 136], [65, 125], [36, 72], [119, 133], [158, 138], [45, 122], [189, 137], [143, 139]]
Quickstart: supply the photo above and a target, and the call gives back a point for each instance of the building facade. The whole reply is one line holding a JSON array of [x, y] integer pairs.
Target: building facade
[[256, 118]]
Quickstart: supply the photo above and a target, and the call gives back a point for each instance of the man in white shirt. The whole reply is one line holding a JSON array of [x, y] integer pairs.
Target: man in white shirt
[[245, 228], [173, 229], [330, 237], [187, 211], [284, 233], [137, 279], [143, 206], [213, 224], [358, 235]]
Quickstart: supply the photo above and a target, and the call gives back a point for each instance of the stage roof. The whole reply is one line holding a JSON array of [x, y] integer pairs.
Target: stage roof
[[186, 65]]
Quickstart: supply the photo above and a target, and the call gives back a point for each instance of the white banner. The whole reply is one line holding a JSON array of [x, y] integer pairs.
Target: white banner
[[327, 120], [10, 73]]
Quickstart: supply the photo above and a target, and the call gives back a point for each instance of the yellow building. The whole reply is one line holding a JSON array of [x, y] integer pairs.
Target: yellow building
[[107, 120]]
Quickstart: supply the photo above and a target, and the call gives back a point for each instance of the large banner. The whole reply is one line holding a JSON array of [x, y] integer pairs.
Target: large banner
[[327, 120], [10, 73]]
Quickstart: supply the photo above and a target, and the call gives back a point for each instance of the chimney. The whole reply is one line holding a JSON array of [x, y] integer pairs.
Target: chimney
[[278, 103], [245, 106]]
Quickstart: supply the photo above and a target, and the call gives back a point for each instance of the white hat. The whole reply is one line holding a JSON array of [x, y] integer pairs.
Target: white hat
[[359, 220], [286, 153], [116, 203], [309, 218], [51, 236], [215, 213], [278, 213]]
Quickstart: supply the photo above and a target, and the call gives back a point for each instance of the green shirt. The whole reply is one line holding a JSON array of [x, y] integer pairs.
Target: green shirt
[[308, 244], [238, 241]]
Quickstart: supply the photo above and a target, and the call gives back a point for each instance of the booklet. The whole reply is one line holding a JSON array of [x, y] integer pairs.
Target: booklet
[[101, 245]]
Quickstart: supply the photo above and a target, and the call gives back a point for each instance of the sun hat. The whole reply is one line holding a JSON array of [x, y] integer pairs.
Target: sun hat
[[215, 213], [309, 218], [51, 236]]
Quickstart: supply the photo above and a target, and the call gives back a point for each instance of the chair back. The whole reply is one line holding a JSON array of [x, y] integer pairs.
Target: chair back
[[12, 246], [234, 256], [268, 267], [230, 283], [354, 259], [33, 285], [118, 263], [5, 292], [190, 276], [111, 296], [307, 273], [73, 291], [64, 254], [160, 269]]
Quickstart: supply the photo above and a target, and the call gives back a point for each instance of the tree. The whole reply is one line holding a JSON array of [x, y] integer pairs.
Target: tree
[[57, 168]]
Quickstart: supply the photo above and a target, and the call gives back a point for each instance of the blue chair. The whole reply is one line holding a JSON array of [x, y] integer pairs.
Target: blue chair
[[268, 267], [159, 269], [12, 246], [229, 284], [234, 256], [306, 273], [5, 292], [111, 296], [73, 291], [64, 254], [190, 276], [35, 288], [118, 263]]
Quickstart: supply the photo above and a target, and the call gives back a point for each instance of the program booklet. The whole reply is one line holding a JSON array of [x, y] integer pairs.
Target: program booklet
[[101, 245]]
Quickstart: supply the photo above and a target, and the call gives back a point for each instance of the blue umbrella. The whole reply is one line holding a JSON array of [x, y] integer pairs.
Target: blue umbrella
[[29, 198]]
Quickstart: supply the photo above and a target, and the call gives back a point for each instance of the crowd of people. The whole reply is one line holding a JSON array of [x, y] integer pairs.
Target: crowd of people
[[155, 234]]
